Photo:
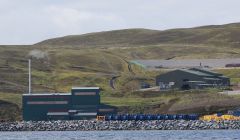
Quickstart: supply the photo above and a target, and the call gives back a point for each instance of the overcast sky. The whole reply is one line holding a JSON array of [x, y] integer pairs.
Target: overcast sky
[[31, 21]]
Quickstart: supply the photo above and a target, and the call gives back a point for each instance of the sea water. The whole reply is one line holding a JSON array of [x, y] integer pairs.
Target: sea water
[[123, 135]]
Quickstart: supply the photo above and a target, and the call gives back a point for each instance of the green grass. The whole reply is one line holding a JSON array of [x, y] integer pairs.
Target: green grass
[[12, 98], [233, 74], [221, 35], [134, 101], [10, 108]]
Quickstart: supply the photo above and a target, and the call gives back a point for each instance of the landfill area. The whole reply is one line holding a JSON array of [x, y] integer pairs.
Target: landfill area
[[187, 63]]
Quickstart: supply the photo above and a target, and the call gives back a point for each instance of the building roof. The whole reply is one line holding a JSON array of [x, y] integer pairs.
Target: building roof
[[195, 72], [222, 76], [46, 94], [206, 74], [85, 88], [206, 71]]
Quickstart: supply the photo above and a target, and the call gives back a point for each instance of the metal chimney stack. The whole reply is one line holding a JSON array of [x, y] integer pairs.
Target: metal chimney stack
[[29, 76]]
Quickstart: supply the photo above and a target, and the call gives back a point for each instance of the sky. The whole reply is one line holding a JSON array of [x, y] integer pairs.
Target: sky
[[31, 21]]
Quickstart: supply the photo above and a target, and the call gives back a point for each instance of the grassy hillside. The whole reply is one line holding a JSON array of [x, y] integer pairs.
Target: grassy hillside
[[102, 59], [10, 107], [108, 38], [215, 35], [197, 101]]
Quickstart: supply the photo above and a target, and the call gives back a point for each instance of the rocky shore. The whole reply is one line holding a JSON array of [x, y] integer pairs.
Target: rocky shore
[[78, 125]]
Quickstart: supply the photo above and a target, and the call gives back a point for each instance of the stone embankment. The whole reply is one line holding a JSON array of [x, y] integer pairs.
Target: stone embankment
[[78, 125]]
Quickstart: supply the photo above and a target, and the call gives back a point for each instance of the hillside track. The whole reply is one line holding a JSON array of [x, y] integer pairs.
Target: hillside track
[[113, 79]]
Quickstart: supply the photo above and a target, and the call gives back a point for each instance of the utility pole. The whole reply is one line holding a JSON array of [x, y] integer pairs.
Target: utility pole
[[29, 76]]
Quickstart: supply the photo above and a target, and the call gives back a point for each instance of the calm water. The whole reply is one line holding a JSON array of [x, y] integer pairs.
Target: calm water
[[123, 135]]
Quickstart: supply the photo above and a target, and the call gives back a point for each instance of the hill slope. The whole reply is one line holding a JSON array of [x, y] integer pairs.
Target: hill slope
[[102, 59], [216, 34], [117, 37]]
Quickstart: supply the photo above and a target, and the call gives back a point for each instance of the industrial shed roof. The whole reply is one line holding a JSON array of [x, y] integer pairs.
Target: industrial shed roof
[[195, 72], [206, 71], [85, 88], [206, 74], [46, 94]]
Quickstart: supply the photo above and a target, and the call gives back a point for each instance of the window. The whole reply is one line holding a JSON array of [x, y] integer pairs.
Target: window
[[171, 83]]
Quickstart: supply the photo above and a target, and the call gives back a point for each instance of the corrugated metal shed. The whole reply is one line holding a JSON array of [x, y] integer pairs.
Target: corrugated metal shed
[[191, 79]]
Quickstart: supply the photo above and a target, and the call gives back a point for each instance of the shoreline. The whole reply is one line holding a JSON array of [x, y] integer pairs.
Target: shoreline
[[86, 125]]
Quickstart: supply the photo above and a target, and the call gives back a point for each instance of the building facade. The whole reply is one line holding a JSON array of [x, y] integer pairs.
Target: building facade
[[194, 78], [81, 104]]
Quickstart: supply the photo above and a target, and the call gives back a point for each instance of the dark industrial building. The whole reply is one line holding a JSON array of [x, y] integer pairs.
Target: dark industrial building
[[82, 103], [194, 78]]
